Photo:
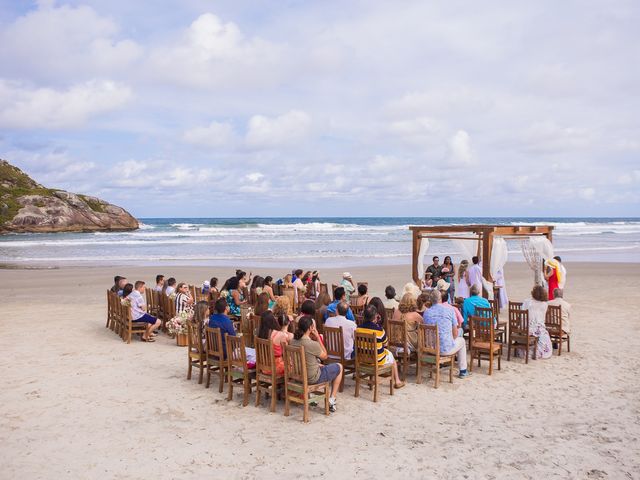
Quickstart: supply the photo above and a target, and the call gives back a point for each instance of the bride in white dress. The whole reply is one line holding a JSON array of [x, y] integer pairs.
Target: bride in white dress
[[462, 287]]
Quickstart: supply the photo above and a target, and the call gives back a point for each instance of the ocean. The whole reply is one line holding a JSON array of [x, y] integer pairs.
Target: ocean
[[301, 242]]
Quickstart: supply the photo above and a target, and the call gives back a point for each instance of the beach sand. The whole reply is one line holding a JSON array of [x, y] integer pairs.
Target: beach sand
[[77, 402]]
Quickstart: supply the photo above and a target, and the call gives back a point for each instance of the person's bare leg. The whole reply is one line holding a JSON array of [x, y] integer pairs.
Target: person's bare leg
[[335, 386], [396, 377]]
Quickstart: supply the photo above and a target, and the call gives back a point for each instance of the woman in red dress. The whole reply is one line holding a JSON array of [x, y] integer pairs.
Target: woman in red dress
[[551, 275]]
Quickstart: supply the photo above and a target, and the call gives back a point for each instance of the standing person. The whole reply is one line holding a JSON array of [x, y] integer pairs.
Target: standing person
[[554, 274], [498, 281], [348, 285], [449, 275], [435, 269], [462, 291], [451, 340], [373, 324], [159, 283], [475, 273], [537, 307], [307, 336], [139, 312]]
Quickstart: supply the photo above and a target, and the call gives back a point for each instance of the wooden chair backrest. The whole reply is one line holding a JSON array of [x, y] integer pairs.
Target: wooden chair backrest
[[484, 312], [397, 332], [265, 358], [295, 367], [323, 288], [480, 330], [277, 289], [148, 297], [194, 336], [290, 293], [495, 308], [519, 322], [214, 342], [428, 339], [366, 346], [389, 312], [515, 305], [357, 309], [334, 342], [319, 321], [333, 290], [236, 353], [553, 319], [169, 307], [255, 321]]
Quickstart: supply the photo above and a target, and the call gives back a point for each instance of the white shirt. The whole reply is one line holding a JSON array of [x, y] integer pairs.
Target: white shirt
[[390, 303], [475, 276], [138, 305], [158, 288], [348, 332], [169, 291]]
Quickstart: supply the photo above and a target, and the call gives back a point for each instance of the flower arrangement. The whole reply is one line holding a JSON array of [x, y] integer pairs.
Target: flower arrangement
[[125, 302], [178, 324]]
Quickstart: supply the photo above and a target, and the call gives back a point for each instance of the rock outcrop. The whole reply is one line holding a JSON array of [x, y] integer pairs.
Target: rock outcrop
[[27, 206]]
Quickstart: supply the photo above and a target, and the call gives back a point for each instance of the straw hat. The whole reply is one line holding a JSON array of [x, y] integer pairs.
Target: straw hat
[[346, 275], [442, 285]]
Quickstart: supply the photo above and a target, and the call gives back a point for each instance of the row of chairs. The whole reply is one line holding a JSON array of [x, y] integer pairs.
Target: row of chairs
[[119, 318]]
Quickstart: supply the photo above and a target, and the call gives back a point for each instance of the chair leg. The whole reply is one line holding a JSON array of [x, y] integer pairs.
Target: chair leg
[[258, 392], [274, 396], [189, 368], [230, 394], [391, 385], [305, 414], [286, 401], [375, 389], [490, 362], [526, 355], [419, 372], [451, 371], [569, 343], [246, 384], [471, 359], [208, 377], [509, 350], [437, 367], [357, 384], [201, 376], [222, 377], [560, 345], [326, 399]]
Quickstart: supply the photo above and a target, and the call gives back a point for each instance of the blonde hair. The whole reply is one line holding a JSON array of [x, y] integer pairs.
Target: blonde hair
[[463, 268], [407, 304], [286, 281], [282, 306]]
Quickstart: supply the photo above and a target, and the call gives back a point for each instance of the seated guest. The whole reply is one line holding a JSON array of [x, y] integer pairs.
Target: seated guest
[[122, 281], [558, 300], [307, 336], [427, 281], [201, 315], [276, 329], [348, 328], [340, 296], [283, 307], [456, 310], [390, 298], [322, 302], [380, 308], [268, 289], [537, 306], [475, 300], [308, 307], [170, 287], [363, 298], [159, 283], [411, 288], [262, 304], [421, 303], [126, 290], [372, 324], [213, 286], [258, 284], [184, 300], [348, 285], [139, 311], [235, 294], [451, 340], [220, 319], [407, 313], [116, 284]]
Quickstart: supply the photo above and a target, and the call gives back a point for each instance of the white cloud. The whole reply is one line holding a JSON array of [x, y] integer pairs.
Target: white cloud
[[286, 129], [461, 152], [216, 134], [46, 108]]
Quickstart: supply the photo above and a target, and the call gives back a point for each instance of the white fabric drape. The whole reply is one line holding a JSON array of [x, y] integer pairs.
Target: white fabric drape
[[424, 246], [499, 255], [543, 246]]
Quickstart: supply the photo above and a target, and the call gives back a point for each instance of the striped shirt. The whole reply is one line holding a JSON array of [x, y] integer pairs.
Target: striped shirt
[[381, 339]]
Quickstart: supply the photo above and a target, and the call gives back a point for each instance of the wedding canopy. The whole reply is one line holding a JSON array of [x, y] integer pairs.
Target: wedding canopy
[[489, 239]]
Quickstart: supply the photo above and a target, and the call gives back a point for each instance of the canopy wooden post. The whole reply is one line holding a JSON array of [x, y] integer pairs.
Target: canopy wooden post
[[416, 251], [487, 245]]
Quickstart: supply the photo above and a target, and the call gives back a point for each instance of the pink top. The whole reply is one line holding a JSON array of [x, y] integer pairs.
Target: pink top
[[277, 338], [459, 317]]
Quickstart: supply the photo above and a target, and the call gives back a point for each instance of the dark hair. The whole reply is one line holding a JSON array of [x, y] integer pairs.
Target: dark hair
[[304, 324], [233, 283], [370, 313], [342, 308], [138, 284], [213, 282], [128, 288], [297, 272], [258, 282], [116, 279], [362, 289], [171, 282], [475, 260], [308, 307], [539, 293], [445, 295], [435, 258], [379, 306], [390, 292], [283, 320], [220, 305], [159, 277], [268, 279], [262, 303], [445, 259], [315, 275], [323, 299], [338, 293], [558, 258], [240, 274], [268, 322]]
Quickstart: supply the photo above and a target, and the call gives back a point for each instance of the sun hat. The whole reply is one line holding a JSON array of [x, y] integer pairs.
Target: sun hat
[[442, 285], [346, 275]]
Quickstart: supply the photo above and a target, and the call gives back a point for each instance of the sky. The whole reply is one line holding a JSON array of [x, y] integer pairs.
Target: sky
[[336, 108]]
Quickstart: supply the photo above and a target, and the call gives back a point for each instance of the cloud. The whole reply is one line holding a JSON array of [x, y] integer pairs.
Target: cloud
[[46, 108], [286, 129], [216, 134], [461, 153]]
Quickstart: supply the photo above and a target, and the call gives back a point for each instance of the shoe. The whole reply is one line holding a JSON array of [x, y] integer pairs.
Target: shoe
[[332, 407], [464, 374], [399, 385], [313, 403]]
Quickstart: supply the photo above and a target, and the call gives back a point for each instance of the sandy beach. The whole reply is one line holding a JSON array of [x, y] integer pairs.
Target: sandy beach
[[77, 402]]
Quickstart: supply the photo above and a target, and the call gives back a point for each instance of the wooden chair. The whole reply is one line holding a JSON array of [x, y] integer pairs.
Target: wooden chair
[[367, 367], [319, 321], [111, 310], [553, 322], [324, 288], [400, 346], [501, 333], [501, 325], [482, 341], [277, 289], [515, 305], [333, 291], [266, 376], [215, 356], [357, 310], [519, 333], [238, 372], [429, 354], [196, 352], [334, 344], [254, 323], [127, 326], [290, 293], [296, 385], [388, 316]]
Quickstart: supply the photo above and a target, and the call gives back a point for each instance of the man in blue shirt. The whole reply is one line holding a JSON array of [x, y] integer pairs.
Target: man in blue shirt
[[220, 320], [451, 340], [470, 304], [338, 296]]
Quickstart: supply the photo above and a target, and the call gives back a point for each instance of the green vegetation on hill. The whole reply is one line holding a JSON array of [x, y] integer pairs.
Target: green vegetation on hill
[[14, 183], [93, 204]]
